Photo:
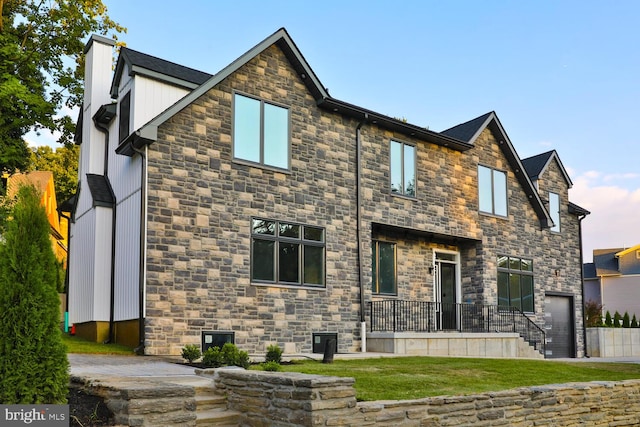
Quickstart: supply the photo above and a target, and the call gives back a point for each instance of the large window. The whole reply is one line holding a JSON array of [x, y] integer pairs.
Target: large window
[[554, 210], [384, 268], [492, 191], [515, 283], [287, 253], [260, 132], [403, 168]]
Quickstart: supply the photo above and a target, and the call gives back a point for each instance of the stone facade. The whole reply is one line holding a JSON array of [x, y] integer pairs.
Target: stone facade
[[201, 202]]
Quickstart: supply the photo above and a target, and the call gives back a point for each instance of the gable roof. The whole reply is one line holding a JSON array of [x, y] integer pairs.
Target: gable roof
[[149, 132], [537, 165], [471, 130], [39, 179], [156, 68]]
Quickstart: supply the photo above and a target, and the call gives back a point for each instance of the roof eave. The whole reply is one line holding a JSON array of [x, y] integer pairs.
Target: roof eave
[[390, 123], [137, 140]]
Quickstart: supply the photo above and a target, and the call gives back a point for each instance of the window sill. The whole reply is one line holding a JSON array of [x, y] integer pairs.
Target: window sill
[[286, 286], [261, 166], [404, 196], [489, 214]]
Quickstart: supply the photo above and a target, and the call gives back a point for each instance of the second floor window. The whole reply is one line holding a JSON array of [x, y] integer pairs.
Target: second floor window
[[554, 210], [403, 168], [260, 132], [492, 191]]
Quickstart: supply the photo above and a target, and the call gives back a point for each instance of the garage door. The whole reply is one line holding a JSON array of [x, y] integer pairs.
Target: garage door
[[559, 326]]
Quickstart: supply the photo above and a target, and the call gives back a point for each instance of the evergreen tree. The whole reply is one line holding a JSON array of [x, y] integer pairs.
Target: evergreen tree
[[617, 320], [33, 360], [626, 323], [607, 319], [634, 322]]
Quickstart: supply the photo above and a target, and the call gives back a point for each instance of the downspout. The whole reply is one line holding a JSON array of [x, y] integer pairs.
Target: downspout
[[584, 323], [143, 228], [104, 129], [363, 323]]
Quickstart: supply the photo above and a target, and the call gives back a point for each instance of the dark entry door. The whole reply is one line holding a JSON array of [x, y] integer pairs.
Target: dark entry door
[[559, 326], [446, 288]]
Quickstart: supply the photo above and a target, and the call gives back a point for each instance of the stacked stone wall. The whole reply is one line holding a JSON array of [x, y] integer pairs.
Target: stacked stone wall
[[291, 399]]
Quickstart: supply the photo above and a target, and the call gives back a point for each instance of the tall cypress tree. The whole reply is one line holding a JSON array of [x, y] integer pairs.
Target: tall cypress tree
[[33, 360]]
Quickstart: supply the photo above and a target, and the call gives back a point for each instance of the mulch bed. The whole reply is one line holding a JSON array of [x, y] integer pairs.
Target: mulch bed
[[86, 410]]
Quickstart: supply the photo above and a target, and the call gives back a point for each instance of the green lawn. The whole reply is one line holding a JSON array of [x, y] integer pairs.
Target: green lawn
[[78, 345], [415, 377]]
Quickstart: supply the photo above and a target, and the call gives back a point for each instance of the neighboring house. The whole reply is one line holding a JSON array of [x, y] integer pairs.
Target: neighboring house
[[43, 182], [251, 205], [613, 280]]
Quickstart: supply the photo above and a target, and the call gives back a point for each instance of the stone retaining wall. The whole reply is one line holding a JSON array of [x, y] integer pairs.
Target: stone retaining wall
[[292, 399], [143, 402]]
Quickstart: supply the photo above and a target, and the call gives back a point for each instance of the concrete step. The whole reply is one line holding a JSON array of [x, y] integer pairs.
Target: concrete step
[[217, 418]]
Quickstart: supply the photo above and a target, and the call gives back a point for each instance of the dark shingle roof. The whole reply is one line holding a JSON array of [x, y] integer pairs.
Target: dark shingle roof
[[162, 66], [466, 131], [100, 189], [534, 165]]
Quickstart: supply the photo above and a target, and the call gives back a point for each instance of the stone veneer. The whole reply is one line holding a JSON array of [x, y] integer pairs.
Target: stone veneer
[[201, 201]]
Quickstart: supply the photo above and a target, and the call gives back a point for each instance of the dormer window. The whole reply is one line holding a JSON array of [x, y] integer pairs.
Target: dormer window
[[124, 117]]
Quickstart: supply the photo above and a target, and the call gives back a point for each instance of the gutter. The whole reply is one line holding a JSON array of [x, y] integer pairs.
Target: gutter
[[143, 240]]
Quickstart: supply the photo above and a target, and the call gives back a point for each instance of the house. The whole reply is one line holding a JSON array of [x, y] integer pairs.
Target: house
[[252, 206], [613, 280], [43, 182]]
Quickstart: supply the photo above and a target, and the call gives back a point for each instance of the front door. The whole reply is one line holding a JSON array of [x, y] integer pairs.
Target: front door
[[446, 290]]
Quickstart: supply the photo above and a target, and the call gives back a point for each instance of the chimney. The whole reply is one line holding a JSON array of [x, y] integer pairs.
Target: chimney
[[97, 84]]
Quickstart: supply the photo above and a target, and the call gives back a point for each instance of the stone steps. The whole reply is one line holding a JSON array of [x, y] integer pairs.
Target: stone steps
[[211, 409]]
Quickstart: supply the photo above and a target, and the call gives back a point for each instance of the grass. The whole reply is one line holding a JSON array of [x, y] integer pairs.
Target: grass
[[79, 345], [417, 377]]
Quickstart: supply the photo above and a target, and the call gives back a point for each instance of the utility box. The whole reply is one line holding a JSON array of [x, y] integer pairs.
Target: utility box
[[216, 339], [320, 341]]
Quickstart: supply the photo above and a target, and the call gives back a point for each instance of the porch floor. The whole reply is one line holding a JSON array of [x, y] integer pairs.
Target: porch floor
[[508, 345]]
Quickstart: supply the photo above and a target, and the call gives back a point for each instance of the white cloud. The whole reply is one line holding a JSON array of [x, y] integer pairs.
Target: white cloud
[[615, 212]]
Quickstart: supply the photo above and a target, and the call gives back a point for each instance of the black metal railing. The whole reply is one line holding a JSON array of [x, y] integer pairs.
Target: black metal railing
[[426, 316]]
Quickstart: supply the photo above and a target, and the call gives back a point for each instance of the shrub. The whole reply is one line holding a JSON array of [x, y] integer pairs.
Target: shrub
[[608, 321], [33, 358], [271, 366], [191, 352], [228, 355], [212, 358], [634, 322], [617, 319], [274, 354], [626, 323], [593, 313]]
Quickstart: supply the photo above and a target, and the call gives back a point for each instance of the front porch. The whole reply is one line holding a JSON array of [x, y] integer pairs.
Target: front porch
[[441, 329]]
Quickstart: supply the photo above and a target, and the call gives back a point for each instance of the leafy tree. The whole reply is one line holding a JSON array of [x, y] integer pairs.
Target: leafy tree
[[593, 313], [41, 68], [63, 162], [33, 360]]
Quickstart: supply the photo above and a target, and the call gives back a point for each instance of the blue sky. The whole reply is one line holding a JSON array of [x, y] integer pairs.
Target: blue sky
[[561, 75]]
